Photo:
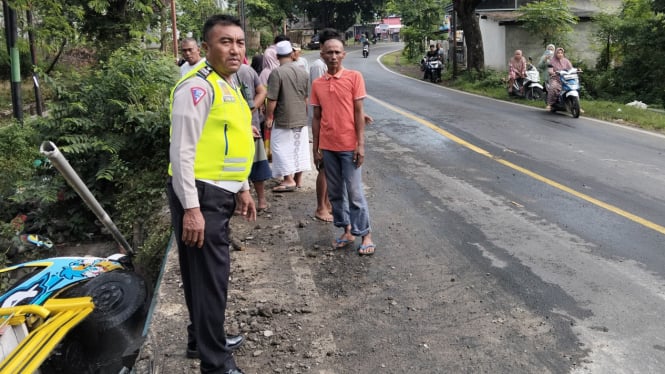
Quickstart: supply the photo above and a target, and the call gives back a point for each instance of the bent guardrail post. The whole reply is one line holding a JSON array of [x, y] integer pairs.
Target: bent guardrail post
[[49, 150]]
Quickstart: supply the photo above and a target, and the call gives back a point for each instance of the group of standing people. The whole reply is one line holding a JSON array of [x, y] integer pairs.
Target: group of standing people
[[215, 151]]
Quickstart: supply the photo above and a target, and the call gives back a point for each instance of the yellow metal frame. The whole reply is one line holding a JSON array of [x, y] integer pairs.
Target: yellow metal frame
[[58, 316]]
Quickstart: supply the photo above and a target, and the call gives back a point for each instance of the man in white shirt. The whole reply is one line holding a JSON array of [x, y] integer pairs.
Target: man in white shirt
[[189, 49]]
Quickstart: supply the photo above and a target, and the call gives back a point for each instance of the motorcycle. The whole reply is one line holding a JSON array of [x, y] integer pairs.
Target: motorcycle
[[528, 87], [569, 97], [365, 50], [432, 67]]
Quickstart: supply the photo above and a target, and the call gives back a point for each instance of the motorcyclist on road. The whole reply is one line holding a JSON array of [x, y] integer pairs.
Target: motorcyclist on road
[[557, 63], [431, 54]]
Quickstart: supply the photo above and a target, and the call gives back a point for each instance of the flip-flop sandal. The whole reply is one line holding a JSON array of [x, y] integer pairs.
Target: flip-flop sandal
[[323, 219], [263, 209], [342, 243], [366, 250], [284, 188]]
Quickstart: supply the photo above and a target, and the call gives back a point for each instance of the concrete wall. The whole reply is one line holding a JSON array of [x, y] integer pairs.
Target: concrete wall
[[494, 44], [519, 38]]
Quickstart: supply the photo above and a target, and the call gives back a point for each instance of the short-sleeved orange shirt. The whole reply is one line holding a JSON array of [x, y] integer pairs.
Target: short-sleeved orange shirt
[[335, 94]]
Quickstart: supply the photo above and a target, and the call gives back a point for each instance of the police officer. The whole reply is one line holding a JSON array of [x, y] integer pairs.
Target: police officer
[[211, 154]]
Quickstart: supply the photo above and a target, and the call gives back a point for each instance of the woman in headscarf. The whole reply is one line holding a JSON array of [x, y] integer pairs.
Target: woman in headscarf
[[516, 69], [545, 59], [270, 61], [557, 63]]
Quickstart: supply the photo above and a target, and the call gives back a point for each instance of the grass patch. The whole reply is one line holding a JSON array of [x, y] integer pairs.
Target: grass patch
[[491, 84]]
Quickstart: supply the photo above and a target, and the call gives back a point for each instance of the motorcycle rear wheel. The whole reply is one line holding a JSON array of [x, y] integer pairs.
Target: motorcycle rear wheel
[[434, 77], [573, 104], [535, 93]]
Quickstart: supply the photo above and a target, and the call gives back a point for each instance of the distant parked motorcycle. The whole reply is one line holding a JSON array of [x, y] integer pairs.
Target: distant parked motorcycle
[[365, 50], [569, 97], [528, 87]]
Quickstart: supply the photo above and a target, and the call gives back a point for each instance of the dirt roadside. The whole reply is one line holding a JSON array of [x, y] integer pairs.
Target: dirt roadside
[[304, 308], [271, 297]]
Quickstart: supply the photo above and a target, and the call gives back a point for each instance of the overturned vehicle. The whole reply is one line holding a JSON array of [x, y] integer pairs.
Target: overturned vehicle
[[72, 314]]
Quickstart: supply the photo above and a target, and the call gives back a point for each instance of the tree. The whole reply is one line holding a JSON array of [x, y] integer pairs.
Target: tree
[[466, 14], [637, 43], [270, 13], [421, 20], [340, 14], [659, 6], [109, 24], [551, 20], [192, 14]]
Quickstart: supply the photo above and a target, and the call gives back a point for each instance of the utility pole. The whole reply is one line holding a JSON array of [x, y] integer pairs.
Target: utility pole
[[33, 54], [174, 29], [12, 38], [241, 14]]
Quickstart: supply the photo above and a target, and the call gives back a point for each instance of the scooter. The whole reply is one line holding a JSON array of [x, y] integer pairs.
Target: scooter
[[365, 50], [432, 67], [528, 87], [569, 97]]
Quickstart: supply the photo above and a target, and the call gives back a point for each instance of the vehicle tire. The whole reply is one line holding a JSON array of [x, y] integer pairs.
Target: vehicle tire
[[432, 77], [118, 296], [574, 106], [535, 93]]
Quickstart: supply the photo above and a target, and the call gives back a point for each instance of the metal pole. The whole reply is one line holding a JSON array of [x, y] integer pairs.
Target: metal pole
[[12, 38], [49, 150], [33, 55], [174, 27]]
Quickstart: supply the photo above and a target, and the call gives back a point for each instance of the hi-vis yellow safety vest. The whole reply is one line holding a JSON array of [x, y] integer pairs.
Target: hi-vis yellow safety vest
[[225, 151]]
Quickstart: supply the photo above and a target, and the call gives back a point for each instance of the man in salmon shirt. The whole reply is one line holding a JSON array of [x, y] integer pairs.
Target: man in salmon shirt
[[338, 132]]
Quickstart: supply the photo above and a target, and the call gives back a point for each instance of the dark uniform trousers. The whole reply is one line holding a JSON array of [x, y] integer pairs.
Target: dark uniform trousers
[[205, 275]]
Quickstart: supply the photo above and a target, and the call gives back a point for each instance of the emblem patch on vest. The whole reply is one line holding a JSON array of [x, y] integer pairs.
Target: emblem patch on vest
[[197, 94]]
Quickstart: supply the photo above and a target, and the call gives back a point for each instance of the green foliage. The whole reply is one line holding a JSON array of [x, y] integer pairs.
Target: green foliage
[[550, 20], [413, 43], [150, 253], [658, 6], [634, 48], [112, 125], [340, 14], [192, 14], [421, 19], [109, 24], [269, 13], [20, 150]]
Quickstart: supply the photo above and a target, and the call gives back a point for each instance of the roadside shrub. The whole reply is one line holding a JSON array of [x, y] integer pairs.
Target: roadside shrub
[[112, 126], [413, 49], [25, 64], [19, 163]]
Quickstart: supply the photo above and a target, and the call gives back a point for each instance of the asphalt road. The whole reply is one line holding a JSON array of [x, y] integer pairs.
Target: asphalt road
[[515, 240]]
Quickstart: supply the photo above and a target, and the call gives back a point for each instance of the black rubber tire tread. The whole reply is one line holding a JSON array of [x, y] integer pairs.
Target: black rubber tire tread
[[574, 106], [117, 296], [535, 93]]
